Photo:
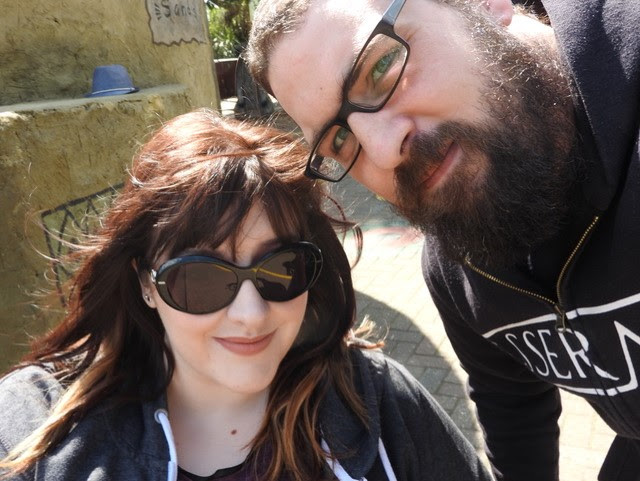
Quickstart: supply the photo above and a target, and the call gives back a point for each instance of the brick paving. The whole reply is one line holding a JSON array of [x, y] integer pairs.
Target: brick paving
[[391, 291]]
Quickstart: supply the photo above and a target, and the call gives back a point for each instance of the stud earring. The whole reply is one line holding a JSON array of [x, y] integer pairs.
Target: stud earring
[[147, 298]]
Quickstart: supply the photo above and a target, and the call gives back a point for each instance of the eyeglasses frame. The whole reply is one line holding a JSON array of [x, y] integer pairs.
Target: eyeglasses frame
[[385, 27]]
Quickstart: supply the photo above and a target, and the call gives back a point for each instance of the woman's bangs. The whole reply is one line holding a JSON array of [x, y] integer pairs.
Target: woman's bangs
[[285, 213]]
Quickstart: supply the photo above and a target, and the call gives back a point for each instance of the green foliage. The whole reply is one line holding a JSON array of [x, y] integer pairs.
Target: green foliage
[[229, 26]]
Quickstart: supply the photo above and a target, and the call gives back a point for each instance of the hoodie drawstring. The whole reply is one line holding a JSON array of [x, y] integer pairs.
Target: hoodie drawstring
[[385, 461], [342, 475], [162, 417]]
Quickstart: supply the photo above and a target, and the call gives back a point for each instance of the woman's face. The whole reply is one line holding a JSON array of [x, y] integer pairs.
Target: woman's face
[[239, 347]]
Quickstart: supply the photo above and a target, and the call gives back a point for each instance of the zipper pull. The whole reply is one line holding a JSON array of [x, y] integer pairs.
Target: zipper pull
[[561, 318]]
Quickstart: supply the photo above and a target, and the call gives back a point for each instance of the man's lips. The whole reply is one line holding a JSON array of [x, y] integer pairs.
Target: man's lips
[[245, 346], [437, 174]]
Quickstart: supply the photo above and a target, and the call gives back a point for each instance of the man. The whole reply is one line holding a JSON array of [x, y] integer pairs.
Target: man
[[513, 144]]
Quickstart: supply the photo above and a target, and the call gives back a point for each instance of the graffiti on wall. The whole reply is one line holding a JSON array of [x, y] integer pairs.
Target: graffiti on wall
[[67, 224]]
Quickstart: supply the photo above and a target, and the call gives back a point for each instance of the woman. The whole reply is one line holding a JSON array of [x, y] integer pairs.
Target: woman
[[170, 366]]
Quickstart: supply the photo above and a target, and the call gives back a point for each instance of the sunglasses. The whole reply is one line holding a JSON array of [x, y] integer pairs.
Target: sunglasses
[[203, 284]]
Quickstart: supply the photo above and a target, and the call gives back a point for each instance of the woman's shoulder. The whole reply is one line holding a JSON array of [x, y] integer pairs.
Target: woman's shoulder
[[132, 443], [26, 397], [395, 388], [413, 426], [30, 383], [386, 373]]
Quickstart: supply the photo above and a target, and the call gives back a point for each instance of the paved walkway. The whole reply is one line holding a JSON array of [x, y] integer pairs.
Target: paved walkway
[[391, 291]]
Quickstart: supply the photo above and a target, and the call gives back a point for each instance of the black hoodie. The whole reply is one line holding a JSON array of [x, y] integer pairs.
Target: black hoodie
[[508, 330], [133, 442]]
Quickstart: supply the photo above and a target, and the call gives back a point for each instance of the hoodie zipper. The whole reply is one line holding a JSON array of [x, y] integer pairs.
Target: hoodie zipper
[[557, 305]]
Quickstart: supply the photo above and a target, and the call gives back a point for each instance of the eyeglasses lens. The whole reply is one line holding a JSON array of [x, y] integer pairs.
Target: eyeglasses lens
[[377, 71], [335, 152]]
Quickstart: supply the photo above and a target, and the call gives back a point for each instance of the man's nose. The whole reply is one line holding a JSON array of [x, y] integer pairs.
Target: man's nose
[[248, 307], [383, 139], [382, 136]]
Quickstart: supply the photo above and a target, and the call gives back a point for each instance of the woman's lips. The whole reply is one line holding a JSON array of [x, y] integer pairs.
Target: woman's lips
[[245, 346], [451, 158]]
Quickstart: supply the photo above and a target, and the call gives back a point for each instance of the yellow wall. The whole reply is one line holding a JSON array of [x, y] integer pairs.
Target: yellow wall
[[48, 49], [61, 153]]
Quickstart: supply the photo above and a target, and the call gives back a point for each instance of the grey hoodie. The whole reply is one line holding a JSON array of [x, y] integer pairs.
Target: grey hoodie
[[409, 437]]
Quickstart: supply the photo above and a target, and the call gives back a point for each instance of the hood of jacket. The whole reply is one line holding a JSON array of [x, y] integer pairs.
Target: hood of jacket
[[341, 427], [602, 51]]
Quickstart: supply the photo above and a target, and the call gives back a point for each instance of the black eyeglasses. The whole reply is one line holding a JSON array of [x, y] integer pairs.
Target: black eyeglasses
[[204, 284], [371, 82]]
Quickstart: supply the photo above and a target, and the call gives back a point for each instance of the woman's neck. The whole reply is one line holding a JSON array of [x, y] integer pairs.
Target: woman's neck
[[213, 427], [194, 395]]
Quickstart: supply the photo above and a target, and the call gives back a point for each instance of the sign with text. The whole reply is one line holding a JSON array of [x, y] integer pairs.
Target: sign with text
[[175, 21]]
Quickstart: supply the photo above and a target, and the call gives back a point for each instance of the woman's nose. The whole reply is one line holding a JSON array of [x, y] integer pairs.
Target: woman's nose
[[248, 307]]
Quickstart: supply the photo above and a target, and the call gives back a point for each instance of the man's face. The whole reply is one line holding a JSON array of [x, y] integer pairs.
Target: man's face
[[470, 146]]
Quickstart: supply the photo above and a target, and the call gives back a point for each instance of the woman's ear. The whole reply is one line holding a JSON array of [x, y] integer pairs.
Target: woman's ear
[[501, 10], [145, 285]]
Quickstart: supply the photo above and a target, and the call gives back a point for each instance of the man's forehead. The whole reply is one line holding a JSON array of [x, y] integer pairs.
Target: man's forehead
[[307, 66], [334, 9], [351, 20]]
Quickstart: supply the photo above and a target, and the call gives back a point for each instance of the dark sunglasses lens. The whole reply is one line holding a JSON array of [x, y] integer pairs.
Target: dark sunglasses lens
[[286, 275], [201, 287]]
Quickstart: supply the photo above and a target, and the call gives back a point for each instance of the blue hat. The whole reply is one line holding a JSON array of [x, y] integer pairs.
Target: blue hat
[[111, 80]]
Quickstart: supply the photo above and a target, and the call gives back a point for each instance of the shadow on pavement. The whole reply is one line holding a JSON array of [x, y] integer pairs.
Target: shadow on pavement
[[437, 371]]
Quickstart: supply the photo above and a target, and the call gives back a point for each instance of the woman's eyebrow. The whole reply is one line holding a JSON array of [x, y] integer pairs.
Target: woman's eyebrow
[[201, 249], [262, 249], [267, 246]]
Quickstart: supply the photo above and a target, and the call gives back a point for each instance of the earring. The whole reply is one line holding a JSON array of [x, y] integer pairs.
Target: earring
[[147, 298]]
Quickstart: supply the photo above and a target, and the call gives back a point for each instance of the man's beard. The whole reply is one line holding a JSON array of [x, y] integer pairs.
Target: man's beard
[[510, 191]]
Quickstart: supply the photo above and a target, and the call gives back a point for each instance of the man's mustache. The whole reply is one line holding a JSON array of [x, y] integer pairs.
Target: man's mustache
[[428, 149]]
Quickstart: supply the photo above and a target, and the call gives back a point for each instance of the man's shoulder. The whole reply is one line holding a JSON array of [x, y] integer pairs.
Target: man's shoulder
[[439, 270]]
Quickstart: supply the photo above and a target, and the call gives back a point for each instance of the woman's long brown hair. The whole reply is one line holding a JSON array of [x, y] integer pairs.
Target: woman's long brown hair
[[193, 182]]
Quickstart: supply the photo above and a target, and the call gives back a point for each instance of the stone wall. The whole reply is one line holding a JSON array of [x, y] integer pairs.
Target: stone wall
[[63, 156], [48, 50]]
